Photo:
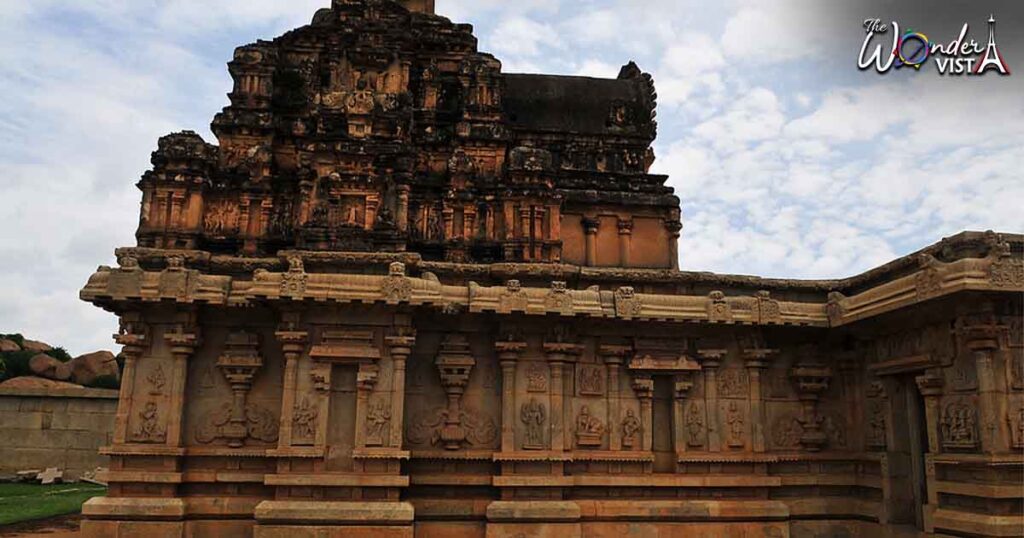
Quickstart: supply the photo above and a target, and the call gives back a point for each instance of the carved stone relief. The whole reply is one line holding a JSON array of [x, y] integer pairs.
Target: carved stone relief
[[536, 378], [876, 430], [513, 297], [718, 308], [959, 425], [732, 383], [627, 304], [150, 429], [425, 429], [630, 429], [533, 415], [378, 421], [396, 288], [590, 380], [559, 298], [786, 432], [589, 429], [257, 423], [695, 424], [1016, 422], [735, 421], [156, 380], [304, 422]]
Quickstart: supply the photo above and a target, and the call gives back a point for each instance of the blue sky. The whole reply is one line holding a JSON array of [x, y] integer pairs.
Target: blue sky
[[790, 162]]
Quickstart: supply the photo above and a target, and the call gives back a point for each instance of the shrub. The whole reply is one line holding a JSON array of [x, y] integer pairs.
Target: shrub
[[106, 382], [17, 363]]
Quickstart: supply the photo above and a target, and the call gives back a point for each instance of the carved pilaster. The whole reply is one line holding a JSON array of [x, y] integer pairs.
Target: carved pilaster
[[930, 385], [366, 380], [757, 360], [508, 356], [182, 341], [613, 357], [133, 339], [811, 381], [590, 227], [683, 385], [293, 344], [982, 340], [400, 347], [625, 241], [710, 360], [558, 354], [643, 386]]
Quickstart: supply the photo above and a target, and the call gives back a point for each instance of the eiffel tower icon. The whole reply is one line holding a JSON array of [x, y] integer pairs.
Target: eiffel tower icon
[[992, 58]]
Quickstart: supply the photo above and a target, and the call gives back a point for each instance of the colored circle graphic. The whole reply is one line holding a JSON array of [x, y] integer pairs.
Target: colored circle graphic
[[913, 49]]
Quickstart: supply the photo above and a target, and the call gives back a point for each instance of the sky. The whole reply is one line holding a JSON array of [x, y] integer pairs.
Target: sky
[[789, 160]]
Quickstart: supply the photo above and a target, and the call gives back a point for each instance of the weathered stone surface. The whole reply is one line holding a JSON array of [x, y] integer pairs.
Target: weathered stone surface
[[86, 368], [46, 366], [8, 345], [33, 345], [29, 382]]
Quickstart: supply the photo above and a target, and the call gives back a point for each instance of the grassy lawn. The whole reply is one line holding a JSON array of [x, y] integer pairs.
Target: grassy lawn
[[25, 502]]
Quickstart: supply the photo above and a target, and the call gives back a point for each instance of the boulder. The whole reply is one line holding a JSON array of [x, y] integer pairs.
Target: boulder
[[33, 345], [46, 366], [8, 345], [86, 368], [29, 382]]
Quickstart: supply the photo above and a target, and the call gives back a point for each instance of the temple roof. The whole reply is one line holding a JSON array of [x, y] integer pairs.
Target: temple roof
[[570, 103]]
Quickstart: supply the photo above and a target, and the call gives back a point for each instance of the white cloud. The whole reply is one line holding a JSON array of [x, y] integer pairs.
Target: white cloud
[[522, 37]]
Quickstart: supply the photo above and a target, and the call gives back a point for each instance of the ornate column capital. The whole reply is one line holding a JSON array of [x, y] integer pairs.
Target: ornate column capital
[[930, 384], [614, 354], [590, 225], [711, 359], [758, 357], [562, 351], [625, 226]]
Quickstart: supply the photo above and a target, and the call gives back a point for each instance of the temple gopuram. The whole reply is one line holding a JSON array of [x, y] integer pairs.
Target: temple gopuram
[[407, 294]]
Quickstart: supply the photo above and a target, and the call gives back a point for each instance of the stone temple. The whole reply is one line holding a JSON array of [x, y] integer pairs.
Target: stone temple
[[407, 294]]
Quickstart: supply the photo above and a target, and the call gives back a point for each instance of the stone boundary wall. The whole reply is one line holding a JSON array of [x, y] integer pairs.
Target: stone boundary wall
[[61, 428]]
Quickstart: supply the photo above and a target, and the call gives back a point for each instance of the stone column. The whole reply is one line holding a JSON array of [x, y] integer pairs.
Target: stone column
[[643, 386], [508, 356], [613, 357], [558, 354], [710, 360], [400, 348], [683, 386], [524, 222], [293, 343], [590, 227], [182, 344], [983, 341], [133, 342], [625, 241], [757, 360]]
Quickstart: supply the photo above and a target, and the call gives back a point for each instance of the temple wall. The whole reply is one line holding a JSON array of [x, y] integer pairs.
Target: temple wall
[[62, 428]]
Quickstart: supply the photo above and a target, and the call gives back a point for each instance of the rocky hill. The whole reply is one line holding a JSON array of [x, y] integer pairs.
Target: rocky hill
[[29, 363]]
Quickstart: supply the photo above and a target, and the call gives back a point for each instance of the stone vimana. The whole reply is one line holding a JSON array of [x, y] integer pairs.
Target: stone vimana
[[407, 294]]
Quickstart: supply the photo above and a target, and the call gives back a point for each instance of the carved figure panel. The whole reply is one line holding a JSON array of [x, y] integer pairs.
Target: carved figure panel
[[732, 383], [786, 432], [589, 429], [1016, 423], [533, 415], [378, 421], [630, 429], [150, 427], [258, 423], [736, 426], [425, 429], [695, 424], [876, 427], [304, 422], [959, 425], [536, 377], [590, 380]]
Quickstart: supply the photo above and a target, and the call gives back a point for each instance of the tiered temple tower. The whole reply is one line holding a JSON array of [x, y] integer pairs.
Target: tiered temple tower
[[407, 294]]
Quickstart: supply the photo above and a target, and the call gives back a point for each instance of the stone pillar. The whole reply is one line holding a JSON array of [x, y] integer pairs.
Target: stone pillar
[[558, 354], [710, 360], [448, 216], [683, 386], [508, 356], [182, 344], [400, 348], [613, 357], [133, 342], [757, 360], [590, 227], [983, 341], [524, 222], [673, 227], [625, 241], [643, 386], [293, 344]]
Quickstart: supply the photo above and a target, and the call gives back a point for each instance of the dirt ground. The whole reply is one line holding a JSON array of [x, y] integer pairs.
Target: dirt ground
[[61, 527]]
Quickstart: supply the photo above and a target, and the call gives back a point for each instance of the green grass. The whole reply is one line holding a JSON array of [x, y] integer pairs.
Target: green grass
[[26, 502]]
